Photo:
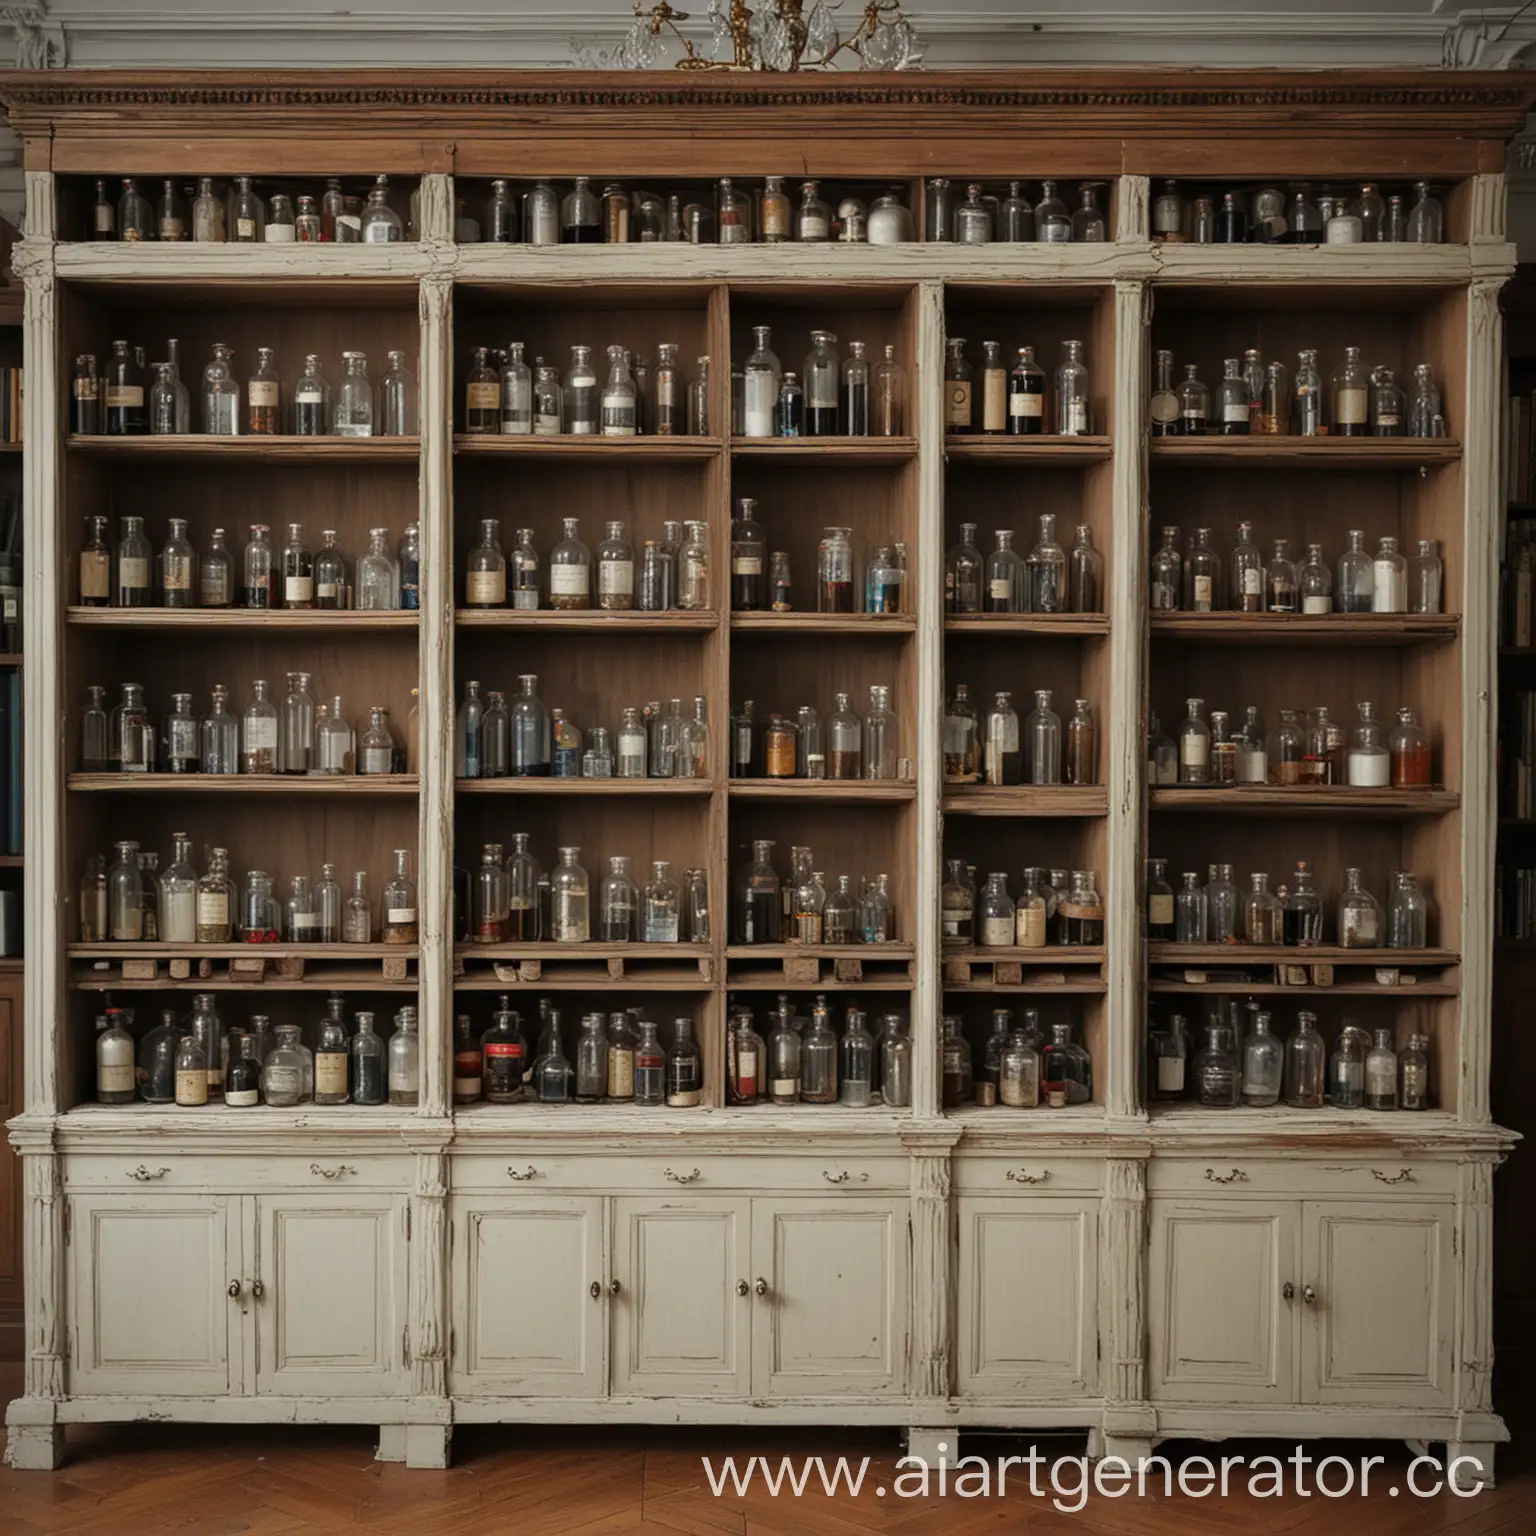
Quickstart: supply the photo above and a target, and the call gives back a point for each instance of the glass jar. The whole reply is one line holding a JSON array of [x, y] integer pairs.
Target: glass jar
[[1407, 914], [1218, 1078], [996, 914], [125, 896], [1413, 1074], [1381, 1089], [1263, 1065], [403, 1057], [955, 1071], [1168, 1059], [286, 1070], [1066, 1070], [1262, 914], [1305, 1060], [1346, 1069], [570, 900]]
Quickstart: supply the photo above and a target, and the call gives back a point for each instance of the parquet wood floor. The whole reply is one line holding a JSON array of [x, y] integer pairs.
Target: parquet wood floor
[[171, 1480]]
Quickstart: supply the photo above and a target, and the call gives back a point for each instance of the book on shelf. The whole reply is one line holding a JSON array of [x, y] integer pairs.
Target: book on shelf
[[1517, 755], [1517, 583], [1514, 906]]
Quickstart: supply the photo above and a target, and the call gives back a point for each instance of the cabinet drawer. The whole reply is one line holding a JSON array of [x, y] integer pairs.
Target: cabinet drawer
[[660, 1174], [178, 1170], [1025, 1175], [1371, 1177]]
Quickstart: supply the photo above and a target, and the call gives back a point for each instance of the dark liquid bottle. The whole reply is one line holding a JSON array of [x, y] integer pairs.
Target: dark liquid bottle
[[761, 915], [85, 397], [1232, 223], [368, 1078], [749, 579], [242, 1082], [126, 414]]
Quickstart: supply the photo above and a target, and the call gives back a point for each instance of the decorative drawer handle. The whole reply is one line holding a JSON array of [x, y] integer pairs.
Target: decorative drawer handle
[[1288, 1291], [258, 1290], [530, 1172], [761, 1287], [842, 1177], [1237, 1176], [1024, 1176], [742, 1287], [1308, 1295], [613, 1287], [332, 1173], [143, 1175], [233, 1289], [596, 1289], [1402, 1176], [681, 1178]]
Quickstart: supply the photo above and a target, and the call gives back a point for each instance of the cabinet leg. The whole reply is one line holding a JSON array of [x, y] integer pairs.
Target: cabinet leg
[[1469, 1463], [1095, 1448], [426, 1445], [931, 1446], [34, 1447], [391, 1443], [1131, 1449]]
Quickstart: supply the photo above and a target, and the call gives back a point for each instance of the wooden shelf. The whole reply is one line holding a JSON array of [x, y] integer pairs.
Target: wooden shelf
[[1076, 987], [321, 975], [826, 450], [1340, 629], [10, 658], [1025, 800], [1204, 956], [826, 623], [316, 952], [1066, 624], [595, 977], [1052, 955], [1043, 450], [10, 861], [196, 446], [605, 450], [1407, 994], [669, 789], [586, 620], [1399, 453], [894, 951], [881, 791], [265, 619], [589, 951], [1282, 800], [317, 787]]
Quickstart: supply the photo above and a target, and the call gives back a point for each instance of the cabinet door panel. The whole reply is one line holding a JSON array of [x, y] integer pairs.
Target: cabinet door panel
[[833, 1321], [148, 1305], [1381, 1325], [1028, 1297], [679, 1328], [1220, 1330], [332, 1319], [525, 1320]]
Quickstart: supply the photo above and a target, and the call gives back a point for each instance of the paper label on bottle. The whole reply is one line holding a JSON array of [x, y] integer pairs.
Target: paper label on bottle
[[305, 923], [298, 589], [281, 234], [997, 932], [1160, 908], [1032, 406], [262, 392], [213, 909], [245, 229], [484, 396], [399, 916], [327, 591], [1075, 419], [814, 227], [760, 394], [378, 760], [191, 1086], [1253, 581], [616, 578], [1029, 927], [1203, 590], [466, 1087], [261, 735], [330, 1073], [1317, 604], [103, 218], [1170, 1074], [1349, 407], [546, 424], [133, 571], [95, 573], [1369, 770], [1195, 750], [114, 1077], [1388, 594], [279, 1080], [1235, 410], [957, 403], [87, 388], [568, 580], [746, 565], [125, 395], [621, 1073], [487, 588], [241, 1098], [994, 389], [1359, 928], [1000, 589], [746, 1064], [176, 574], [307, 394]]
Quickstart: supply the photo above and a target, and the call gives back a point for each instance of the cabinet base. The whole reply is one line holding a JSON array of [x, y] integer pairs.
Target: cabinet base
[[417, 1445], [34, 1442], [1467, 1464]]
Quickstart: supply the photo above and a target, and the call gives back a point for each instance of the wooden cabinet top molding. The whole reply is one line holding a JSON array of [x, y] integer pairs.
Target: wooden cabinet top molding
[[1038, 122]]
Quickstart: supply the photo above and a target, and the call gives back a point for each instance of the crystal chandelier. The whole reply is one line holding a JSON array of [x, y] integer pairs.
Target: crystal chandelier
[[779, 36]]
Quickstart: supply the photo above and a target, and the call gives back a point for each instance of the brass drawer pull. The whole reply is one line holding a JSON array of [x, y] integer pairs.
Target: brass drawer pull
[[332, 1173], [143, 1175], [1024, 1176], [1237, 1176], [1402, 1176], [522, 1178], [842, 1176], [681, 1178]]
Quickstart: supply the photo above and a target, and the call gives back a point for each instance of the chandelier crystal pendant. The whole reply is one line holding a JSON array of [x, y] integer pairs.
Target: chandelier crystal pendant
[[778, 37]]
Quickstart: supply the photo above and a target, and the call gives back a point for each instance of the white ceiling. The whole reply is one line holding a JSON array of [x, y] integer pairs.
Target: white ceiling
[[531, 33]]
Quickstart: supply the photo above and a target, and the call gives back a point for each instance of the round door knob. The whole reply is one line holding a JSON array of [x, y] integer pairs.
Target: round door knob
[[1308, 1295], [742, 1287], [234, 1287], [761, 1287], [613, 1288], [1288, 1291], [597, 1290], [258, 1290]]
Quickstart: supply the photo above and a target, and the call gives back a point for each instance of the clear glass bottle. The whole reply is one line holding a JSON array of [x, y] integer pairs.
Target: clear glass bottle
[[1426, 417], [856, 1062], [1190, 922], [311, 401], [1007, 577], [1202, 574], [570, 900], [1301, 910], [1218, 1077], [1351, 397], [818, 1057], [1262, 913], [1088, 221], [570, 570], [1389, 578], [1223, 916], [1066, 1070], [1085, 574], [403, 1061], [961, 739], [854, 391], [618, 903], [882, 742], [1407, 914], [1002, 758], [178, 884], [759, 905], [996, 915], [820, 378], [845, 742], [1081, 763], [221, 394], [1426, 219], [957, 904], [1167, 574], [1194, 745], [353, 416], [661, 912], [1247, 567], [1263, 1065], [956, 1079], [1046, 565], [1072, 404], [398, 925], [1280, 579], [1194, 404], [1232, 413]]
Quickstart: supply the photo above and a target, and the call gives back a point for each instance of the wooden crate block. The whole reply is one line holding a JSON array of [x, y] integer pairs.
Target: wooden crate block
[[529, 970], [1007, 973], [290, 967], [248, 968], [181, 969], [395, 967], [801, 970], [848, 970], [957, 973], [616, 967], [140, 970], [1322, 975]]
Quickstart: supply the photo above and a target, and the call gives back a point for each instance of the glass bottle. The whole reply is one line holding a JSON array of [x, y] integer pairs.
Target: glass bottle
[[1002, 760], [1042, 741], [403, 1060], [618, 903], [1307, 396], [854, 392], [1263, 1065], [524, 565], [759, 904], [378, 581], [1351, 403], [548, 401], [856, 1063], [1007, 577], [1082, 746], [221, 394], [881, 741], [957, 904], [1160, 925], [1163, 409], [1194, 745], [957, 386], [1167, 574], [996, 915], [819, 1058], [1202, 574], [1274, 417], [399, 902], [618, 406], [761, 378], [1194, 404], [955, 1073], [1218, 1078], [103, 214], [570, 570], [353, 416], [1426, 576], [485, 581], [178, 895], [1221, 905], [570, 900], [482, 395], [1046, 568], [1190, 925], [1388, 407], [1168, 1059], [311, 401], [124, 391], [845, 742], [1407, 914], [820, 378], [1302, 910], [1248, 574], [1025, 415], [1088, 221], [1425, 415], [1085, 574], [746, 1060], [1280, 580], [1029, 913], [615, 569], [1426, 219], [1359, 915], [1072, 406], [1369, 763], [661, 912], [1413, 1074], [835, 584], [191, 1073], [1224, 751], [1232, 413], [1262, 914], [1356, 586], [1066, 1071], [963, 574], [1389, 578], [1409, 749], [1346, 1069], [1305, 1059]]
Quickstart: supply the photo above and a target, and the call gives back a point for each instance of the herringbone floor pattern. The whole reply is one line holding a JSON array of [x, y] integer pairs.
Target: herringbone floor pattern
[[168, 1480]]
